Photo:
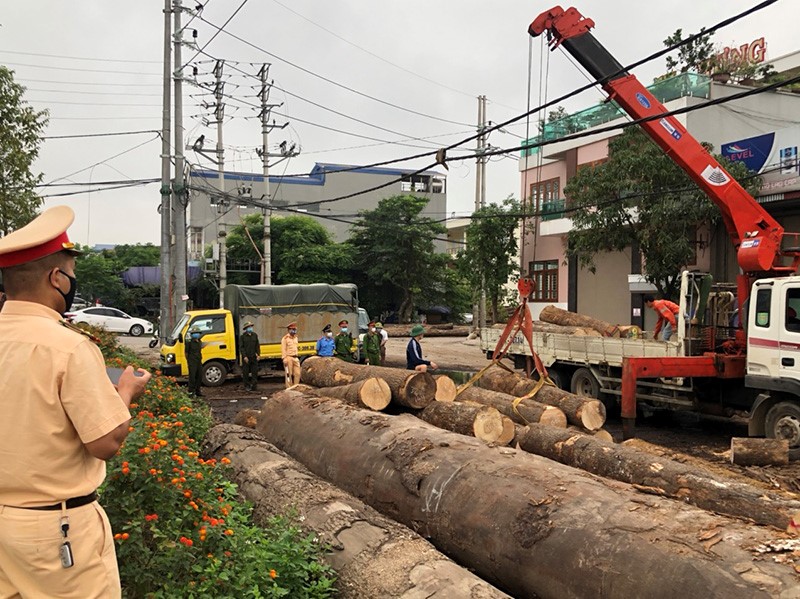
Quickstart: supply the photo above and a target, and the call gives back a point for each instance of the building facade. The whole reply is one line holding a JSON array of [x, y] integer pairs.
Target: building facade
[[614, 291]]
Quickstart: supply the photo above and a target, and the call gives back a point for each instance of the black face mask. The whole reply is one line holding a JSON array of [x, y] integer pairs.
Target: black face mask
[[69, 296]]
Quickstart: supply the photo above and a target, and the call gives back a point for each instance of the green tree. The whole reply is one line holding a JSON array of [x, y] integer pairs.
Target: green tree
[[696, 56], [302, 250], [140, 254], [20, 137], [393, 245], [641, 197], [490, 255], [99, 279]]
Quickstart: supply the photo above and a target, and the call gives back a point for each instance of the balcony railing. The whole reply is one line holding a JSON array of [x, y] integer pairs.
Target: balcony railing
[[553, 209], [685, 84]]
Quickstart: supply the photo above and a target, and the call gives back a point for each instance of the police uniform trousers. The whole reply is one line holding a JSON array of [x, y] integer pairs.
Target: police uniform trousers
[[291, 365], [30, 563]]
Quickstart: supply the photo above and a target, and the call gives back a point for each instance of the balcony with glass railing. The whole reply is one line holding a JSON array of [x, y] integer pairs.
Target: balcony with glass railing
[[553, 209], [680, 86]]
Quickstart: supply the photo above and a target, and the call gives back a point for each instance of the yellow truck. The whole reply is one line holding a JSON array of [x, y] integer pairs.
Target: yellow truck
[[271, 308]]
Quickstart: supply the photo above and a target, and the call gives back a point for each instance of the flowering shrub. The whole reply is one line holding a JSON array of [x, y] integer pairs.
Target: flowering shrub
[[180, 530]]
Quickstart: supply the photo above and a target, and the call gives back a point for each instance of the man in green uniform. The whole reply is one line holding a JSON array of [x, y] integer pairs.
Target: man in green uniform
[[343, 348], [372, 346], [250, 349], [194, 359]]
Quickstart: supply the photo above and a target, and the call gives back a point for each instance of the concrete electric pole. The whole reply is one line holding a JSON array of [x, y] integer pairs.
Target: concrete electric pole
[[222, 202], [179, 192], [165, 313], [480, 191]]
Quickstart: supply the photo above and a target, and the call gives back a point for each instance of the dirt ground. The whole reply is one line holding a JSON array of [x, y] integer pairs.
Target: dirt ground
[[681, 436]]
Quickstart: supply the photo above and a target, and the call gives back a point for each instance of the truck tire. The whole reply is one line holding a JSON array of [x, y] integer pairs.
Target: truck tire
[[214, 373], [559, 377], [585, 384], [783, 422]]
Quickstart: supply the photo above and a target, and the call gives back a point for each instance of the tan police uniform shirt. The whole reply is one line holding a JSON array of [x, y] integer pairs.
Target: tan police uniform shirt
[[289, 346], [55, 396]]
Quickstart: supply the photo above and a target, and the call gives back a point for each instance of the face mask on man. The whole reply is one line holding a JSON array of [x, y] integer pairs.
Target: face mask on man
[[293, 331], [329, 334], [248, 330], [195, 335], [372, 330], [69, 296], [344, 329]]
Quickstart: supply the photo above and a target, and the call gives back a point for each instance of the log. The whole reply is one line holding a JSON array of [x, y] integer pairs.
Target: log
[[581, 411], [509, 431], [372, 393], [527, 410], [247, 417], [555, 315], [759, 452], [547, 327], [409, 388], [446, 388], [662, 476], [482, 422], [601, 433], [373, 556], [527, 524]]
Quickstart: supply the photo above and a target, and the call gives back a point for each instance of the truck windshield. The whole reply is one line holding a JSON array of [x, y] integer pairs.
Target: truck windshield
[[173, 336]]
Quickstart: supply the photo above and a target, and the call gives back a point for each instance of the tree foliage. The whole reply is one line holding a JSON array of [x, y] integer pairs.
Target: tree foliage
[[490, 255], [641, 197], [393, 246], [20, 137], [696, 56], [302, 250]]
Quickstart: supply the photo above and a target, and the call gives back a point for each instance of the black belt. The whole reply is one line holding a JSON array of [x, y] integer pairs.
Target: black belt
[[71, 503]]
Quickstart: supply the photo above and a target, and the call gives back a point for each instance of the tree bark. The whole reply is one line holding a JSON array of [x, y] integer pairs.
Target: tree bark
[[536, 527], [555, 315], [409, 388], [372, 393], [445, 388], [580, 411], [547, 327], [527, 410], [601, 433], [373, 556], [482, 422], [759, 452], [661, 476]]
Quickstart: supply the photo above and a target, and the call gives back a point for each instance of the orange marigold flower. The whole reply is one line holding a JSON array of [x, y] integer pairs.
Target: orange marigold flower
[[273, 574], [228, 554], [153, 471], [229, 532], [225, 461], [126, 471], [151, 517], [117, 536], [125, 536], [187, 542], [187, 493]]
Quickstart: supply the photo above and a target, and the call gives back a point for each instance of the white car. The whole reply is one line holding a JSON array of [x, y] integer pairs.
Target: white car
[[111, 319]]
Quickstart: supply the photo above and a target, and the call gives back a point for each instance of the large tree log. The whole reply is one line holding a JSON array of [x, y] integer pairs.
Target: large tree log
[[527, 410], [658, 475], [372, 393], [555, 315], [409, 388], [528, 524], [580, 411], [373, 556], [446, 388], [482, 422], [759, 452]]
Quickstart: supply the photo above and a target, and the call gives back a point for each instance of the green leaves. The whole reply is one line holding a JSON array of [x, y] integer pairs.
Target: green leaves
[[20, 130]]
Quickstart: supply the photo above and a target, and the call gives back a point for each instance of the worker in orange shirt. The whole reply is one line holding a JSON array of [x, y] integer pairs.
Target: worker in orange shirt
[[291, 361], [667, 312]]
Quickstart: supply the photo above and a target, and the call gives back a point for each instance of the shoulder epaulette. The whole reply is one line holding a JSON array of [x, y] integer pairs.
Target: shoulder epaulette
[[79, 330]]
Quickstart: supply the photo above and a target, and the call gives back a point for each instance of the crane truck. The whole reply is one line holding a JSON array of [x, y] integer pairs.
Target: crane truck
[[755, 365]]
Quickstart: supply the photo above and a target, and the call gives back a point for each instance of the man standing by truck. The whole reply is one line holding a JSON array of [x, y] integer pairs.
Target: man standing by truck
[[344, 343], [194, 360], [667, 311], [372, 346], [250, 349], [291, 361], [325, 344]]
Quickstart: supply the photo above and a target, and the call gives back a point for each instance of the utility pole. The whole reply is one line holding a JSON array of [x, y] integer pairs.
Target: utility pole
[[480, 192], [165, 302], [266, 127], [222, 202], [180, 196]]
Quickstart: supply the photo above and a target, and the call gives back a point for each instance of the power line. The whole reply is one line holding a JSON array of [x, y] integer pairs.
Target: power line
[[80, 57], [230, 18], [331, 81], [90, 83], [87, 191], [84, 92], [110, 134], [91, 103], [39, 66]]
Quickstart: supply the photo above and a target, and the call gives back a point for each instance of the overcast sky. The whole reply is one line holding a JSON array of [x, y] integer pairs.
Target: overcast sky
[[96, 65]]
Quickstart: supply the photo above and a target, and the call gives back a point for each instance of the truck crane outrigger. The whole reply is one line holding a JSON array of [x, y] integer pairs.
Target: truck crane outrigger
[[757, 237]]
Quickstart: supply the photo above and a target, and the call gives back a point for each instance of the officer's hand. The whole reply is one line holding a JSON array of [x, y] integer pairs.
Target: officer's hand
[[434, 366], [132, 385], [246, 360]]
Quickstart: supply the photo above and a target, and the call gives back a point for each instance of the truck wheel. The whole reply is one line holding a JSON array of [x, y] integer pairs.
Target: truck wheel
[[783, 422], [559, 377], [214, 373], [585, 384]]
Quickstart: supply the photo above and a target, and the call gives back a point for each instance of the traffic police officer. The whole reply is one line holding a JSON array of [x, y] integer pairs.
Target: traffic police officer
[[250, 349], [290, 356], [62, 418], [194, 360]]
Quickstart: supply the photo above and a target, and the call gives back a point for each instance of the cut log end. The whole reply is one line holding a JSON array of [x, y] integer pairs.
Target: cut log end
[[488, 425], [552, 416], [375, 394], [418, 390], [509, 432], [593, 415], [759, 452], [445, 388]]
